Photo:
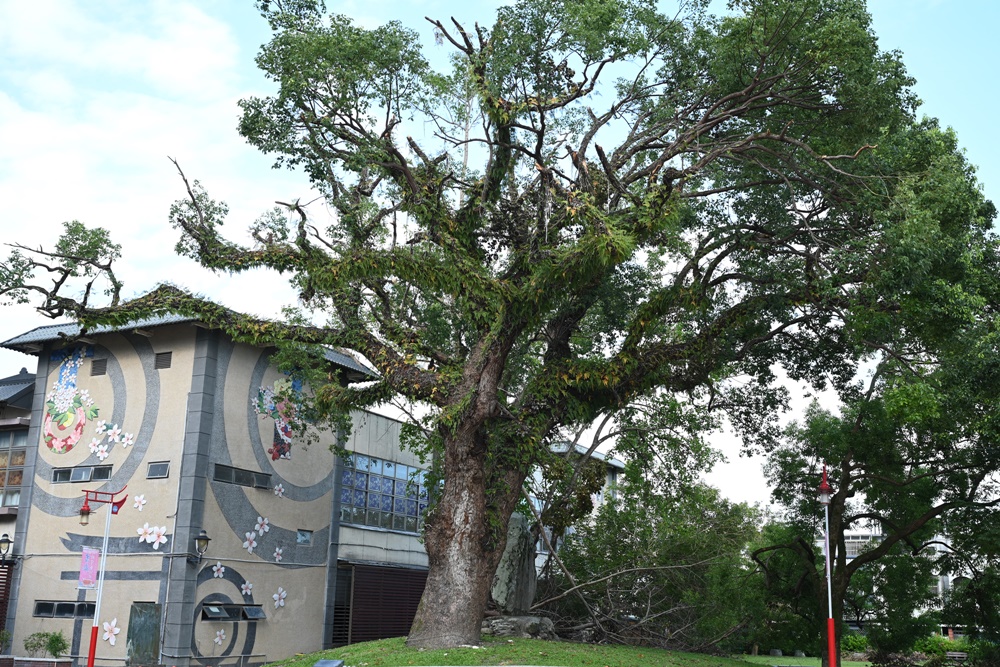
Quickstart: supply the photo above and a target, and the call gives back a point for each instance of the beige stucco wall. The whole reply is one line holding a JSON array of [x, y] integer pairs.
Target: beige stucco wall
[[51, 555], [153, 405]]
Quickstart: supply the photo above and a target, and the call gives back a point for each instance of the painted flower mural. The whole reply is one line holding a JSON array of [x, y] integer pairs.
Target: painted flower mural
[[262, 526], [279, 597], [251, 542], [139, 502], [277, 402], [219, 570], [278, 554], [67, 410], [220, 636], [145, 533], [159, 536], [247, 588], [279, 490], [111, 630], [155, 535]]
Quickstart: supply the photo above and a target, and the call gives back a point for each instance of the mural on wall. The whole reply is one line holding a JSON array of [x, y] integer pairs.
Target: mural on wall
[[155, 535], [111, 630], [275, 402], [67, 409]]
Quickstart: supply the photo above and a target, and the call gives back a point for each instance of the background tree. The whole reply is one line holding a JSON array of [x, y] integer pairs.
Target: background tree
[[914, 447], [732, 224], [661, 570]]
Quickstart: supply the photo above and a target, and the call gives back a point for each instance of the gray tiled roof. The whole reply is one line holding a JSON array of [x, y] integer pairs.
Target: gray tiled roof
[[561, 447], [57, 331], [26, 342], [17, 387]]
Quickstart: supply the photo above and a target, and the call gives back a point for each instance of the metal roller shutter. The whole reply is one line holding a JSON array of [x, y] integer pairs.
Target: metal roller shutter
[[383, 602]]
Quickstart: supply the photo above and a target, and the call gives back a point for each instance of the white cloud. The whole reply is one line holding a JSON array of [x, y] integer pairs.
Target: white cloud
[[96, 96]]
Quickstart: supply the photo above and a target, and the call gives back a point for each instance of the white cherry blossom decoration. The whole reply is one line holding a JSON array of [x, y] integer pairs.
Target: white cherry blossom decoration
[[220, 636], [247, 588], [102, 426], [159, 536], [279, 597], [139, 502], [110, 630], [145, 533], [114, 433], [251, 542], [277, 554], [262, 526], [219, 570], [94, 444], [127, 439], [279, 490], [102, 452]]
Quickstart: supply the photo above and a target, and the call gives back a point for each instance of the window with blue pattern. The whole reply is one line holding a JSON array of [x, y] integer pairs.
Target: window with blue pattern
[[383, 494]]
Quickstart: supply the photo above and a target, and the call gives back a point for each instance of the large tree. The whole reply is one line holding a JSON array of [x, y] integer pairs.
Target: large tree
[[602, 203]]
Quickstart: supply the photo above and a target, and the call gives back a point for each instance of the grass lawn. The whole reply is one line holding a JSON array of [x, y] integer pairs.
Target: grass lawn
[[394, 653], [791, 660]]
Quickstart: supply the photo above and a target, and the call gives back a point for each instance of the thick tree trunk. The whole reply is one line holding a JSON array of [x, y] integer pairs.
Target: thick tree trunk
[[464, 544], [466, 532]]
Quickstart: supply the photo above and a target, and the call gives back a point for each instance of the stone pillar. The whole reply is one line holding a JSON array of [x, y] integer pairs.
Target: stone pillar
[[515, 581]]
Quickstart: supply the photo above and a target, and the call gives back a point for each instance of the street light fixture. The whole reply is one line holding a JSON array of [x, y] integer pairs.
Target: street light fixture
[[99, 497], [201, 546], [825, 494], [5, 544]]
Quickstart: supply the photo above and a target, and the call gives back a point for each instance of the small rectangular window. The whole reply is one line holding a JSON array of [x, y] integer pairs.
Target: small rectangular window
[[65, 610], [81, 474], [60, 475], [162, 360], [99, 367], [101, 473], [251, 478], [158, 470], [251, 613], [85, 609], [213, 612], [304, 538], [46, 609]]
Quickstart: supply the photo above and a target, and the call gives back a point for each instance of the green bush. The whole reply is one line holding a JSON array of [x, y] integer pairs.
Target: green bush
[[983, 653], [854, 643], [935, 645], [54, 643]]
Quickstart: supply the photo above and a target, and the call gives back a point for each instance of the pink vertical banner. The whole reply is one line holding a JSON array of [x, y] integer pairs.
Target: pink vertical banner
[[89, 563]]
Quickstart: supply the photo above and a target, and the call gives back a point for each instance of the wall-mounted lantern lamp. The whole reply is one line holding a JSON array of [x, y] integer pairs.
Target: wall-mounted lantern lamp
[[5, 545], [201, 546]]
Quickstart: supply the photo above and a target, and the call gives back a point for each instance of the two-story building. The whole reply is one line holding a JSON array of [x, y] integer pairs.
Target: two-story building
[[307, 549]]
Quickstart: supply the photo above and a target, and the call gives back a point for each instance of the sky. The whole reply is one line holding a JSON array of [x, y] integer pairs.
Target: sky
[[94, 97]]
